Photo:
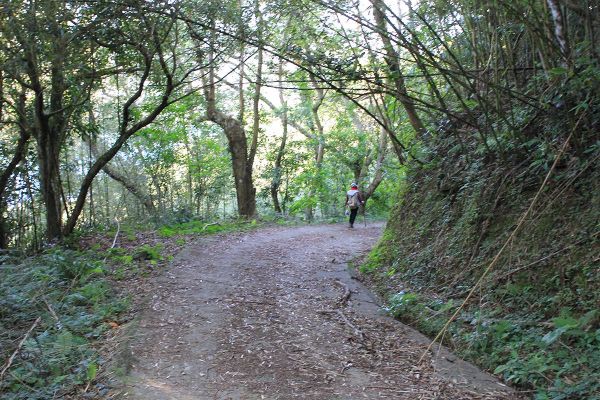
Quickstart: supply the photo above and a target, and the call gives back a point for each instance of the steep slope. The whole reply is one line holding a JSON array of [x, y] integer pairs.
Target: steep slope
[[534, 319]]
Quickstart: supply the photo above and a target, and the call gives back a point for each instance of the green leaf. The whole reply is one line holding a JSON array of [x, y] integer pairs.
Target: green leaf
[[587, 319], [558, 71], [552, 336], [471, 104], [565, 322], [501, 368], [92, 370]]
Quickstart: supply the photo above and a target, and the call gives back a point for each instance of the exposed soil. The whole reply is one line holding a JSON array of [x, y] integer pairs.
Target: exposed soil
[[275, 314]]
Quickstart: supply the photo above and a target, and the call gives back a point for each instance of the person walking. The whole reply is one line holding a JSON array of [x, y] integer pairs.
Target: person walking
[[354, 201]]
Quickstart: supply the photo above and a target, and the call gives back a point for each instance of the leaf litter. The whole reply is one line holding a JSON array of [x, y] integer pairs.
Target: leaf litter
[[274, 314]]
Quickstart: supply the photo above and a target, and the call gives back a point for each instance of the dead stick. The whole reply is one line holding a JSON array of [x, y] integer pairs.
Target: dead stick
[[12, 357], [117, 234], [211, 224], [357, 331], [115, 239], [346, 296], [58, 323]]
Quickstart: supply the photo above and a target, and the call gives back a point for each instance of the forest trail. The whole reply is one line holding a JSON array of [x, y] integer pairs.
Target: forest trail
[[266, 315]]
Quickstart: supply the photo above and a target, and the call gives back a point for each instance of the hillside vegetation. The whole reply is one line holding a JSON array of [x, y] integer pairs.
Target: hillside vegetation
[[533, 317]]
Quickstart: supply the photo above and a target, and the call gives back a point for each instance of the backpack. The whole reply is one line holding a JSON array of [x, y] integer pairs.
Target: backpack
[[353, 201]]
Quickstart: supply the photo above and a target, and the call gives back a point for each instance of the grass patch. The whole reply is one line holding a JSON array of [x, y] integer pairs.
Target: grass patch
[[203, 228]]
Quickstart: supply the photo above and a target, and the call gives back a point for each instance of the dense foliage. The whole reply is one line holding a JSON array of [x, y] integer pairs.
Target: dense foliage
[[67, 291], [534, 318], [70, 299], [518, 295]]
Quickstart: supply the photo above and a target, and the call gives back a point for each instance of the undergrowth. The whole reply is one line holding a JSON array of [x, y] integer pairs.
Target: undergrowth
[[534, 321], [68, 291], [203, 228]]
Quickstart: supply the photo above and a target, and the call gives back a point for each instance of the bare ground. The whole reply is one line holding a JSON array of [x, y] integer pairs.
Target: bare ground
[[275, 314]]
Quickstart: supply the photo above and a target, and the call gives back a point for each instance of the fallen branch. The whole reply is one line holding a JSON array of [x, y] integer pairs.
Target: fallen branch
[[58, 323], [211, 224], [347, 293], [12, 357], [116, 234], [357, 331], [115, 239]]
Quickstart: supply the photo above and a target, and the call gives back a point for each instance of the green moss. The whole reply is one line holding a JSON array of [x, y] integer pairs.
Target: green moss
[[382, 253]]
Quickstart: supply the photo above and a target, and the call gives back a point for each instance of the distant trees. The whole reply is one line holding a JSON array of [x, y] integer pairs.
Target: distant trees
[[57, 55], [287, 84], [82, 79]]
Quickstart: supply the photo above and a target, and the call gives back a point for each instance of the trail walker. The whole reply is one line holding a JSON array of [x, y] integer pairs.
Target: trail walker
[[354, 201]]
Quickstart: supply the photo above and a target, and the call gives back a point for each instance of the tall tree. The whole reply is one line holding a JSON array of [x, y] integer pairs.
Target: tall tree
[[243, 151], [238, 145], [277, 166], [392, 59], [58, 52]]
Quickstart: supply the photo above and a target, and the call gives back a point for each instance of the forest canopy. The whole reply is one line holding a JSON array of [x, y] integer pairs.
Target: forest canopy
[[149, 109]]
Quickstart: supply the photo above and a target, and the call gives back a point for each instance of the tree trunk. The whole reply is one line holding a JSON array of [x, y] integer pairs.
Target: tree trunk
[[238, 147], [242, 169], [189, 175], [276, 182], [392, 61], [48, 132], [132, 187], [560, 32], [257, 87], [361, 170], [318, 134], [378, 175], [50, 126], [50, 185]]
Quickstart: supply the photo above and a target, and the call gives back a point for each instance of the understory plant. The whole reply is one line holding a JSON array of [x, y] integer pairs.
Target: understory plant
[[54, 309]]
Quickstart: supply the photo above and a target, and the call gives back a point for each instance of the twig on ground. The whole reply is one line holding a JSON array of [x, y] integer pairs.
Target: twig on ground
[[347, 293], [115, 239], [211, 224], [58, 323], [116, 234], [12, 357], [357, 331]]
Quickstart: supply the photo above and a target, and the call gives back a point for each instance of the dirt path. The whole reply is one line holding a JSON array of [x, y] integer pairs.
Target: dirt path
[[261, 315]]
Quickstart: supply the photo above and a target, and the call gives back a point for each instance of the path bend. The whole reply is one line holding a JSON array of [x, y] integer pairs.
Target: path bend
[[262, 315]]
